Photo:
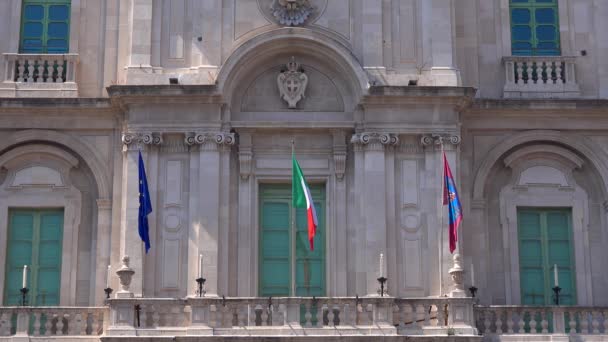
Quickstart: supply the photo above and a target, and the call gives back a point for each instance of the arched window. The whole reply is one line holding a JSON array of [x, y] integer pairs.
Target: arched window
[[534, 28], [45, 26]]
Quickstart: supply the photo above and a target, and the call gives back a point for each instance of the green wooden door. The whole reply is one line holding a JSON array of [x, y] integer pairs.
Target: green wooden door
[[34, 239], [277, 242], [545, 239]]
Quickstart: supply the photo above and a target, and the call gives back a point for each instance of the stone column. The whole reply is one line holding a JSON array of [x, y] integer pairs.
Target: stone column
[[209, 181], [102, 259], [130, 242], [373, 196]]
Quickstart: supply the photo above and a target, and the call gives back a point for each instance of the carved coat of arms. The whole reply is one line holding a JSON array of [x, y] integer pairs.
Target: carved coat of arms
[[292, 83], [291, 12]]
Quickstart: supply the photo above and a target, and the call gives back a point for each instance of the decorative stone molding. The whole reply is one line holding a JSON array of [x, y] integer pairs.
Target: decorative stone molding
[[340, 164], [292, 83], [291, 12], [374, 141], [245, 158], [204, 138], [104, 203], [136, 140], [438, 139]]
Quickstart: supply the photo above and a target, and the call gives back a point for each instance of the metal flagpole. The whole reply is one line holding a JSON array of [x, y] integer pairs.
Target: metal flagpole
[[293, 226], [442, 228]]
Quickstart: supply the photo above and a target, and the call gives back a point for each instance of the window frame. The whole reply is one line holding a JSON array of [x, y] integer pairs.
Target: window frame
[[532, 6], [45, 22]]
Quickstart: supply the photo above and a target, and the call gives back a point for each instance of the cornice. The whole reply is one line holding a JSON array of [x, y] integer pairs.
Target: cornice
[[52, 105], [126, 95], [556, 107], [461, 97]]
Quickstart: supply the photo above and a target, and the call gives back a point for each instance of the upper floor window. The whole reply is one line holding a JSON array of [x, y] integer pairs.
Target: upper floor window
[[534, 28], [45, 26]]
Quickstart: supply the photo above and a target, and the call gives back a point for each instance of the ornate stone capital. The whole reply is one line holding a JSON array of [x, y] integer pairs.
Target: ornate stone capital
[[137, 140], [436, 139], [374, 141], [209, 140]]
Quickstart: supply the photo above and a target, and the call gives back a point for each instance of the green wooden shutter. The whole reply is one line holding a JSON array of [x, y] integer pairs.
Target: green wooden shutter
[[19, 253], [310, 265], [545, 239], [35, 239], [276, 243], [534, 28], [45, 26]]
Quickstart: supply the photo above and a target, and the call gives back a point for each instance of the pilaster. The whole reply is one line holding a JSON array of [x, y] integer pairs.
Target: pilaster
[[438, 225], [245, 233], [102, 258], [206, 224], [130, 242], [372, 230]]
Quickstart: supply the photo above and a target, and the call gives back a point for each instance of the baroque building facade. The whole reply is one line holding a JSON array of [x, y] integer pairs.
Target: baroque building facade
[[215, 93]]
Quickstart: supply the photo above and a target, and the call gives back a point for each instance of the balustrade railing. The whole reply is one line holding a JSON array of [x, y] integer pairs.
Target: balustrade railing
[[52, 321], [502, 320], [540, 76], [40, 68], [288, 315]]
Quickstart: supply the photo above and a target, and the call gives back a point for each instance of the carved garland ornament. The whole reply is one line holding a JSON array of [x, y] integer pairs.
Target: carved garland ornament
[[292, 83], [291, 12]]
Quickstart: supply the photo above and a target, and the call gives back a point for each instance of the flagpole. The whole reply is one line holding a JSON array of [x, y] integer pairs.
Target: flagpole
[[442, 228], [293, 225]]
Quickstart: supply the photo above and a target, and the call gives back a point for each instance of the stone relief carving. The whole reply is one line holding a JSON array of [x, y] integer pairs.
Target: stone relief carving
[[292, 83], [438, 139], [291, 12]]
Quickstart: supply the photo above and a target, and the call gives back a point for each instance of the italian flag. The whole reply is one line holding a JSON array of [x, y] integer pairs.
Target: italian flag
[[303, 199]]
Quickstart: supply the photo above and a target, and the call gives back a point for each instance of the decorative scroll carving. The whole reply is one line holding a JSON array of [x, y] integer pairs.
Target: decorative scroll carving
[[137, 139], [438, 139], [374, 140], [245, 157], [219, 138], [292, 83], [291, 12]]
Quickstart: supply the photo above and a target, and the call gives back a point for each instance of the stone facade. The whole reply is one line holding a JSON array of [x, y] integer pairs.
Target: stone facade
[[213, 93]]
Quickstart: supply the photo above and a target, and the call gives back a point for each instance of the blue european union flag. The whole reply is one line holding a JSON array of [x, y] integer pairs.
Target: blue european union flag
[[145, 206]]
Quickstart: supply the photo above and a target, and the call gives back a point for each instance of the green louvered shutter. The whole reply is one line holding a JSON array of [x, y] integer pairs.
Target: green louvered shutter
[[276, 244], [35, 239], [534, 28]]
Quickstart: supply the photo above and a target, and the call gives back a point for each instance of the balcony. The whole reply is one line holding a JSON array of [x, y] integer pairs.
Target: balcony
[[540, 77], [39, 75], [538, 323]]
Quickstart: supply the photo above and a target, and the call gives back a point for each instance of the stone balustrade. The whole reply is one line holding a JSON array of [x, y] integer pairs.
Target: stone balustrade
[[540, 77], [41, 68], [39, 75], [270, 316], [51, 321], [501, 320]]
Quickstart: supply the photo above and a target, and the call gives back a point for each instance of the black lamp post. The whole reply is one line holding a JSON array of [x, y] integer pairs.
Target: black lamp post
[[200, 281], [382, 280], [556, 290], [24, 292]]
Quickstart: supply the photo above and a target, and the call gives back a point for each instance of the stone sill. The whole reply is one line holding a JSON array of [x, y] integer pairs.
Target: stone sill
[[38, 90]]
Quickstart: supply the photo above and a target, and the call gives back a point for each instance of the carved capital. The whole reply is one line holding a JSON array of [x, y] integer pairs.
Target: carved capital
[[137, 140], [374, 141], [209, 140], [439, 139]]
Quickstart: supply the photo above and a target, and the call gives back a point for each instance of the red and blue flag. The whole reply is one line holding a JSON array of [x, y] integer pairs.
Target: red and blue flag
[[451, 199]]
